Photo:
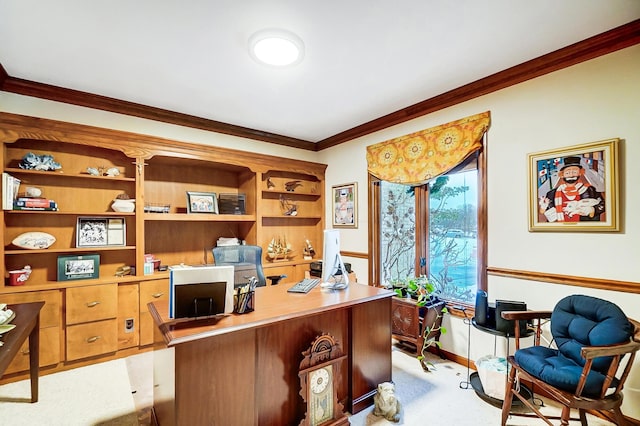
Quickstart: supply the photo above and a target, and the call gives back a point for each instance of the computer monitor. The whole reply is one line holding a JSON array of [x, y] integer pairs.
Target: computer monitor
[[200, 291], [332, 261]]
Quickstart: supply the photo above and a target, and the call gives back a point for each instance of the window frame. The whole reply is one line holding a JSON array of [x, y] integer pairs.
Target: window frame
[[422, 244]]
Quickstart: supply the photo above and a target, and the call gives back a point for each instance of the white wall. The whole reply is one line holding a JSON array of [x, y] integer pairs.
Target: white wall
[[588, 102], [25, 105]]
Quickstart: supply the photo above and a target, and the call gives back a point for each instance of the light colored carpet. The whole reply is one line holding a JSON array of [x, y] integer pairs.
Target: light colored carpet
[[120, 393], [437, 398], [98, 394]]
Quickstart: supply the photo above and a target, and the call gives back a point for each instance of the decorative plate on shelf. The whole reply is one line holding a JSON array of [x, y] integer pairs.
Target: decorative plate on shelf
[[34, 240], [6, 327]]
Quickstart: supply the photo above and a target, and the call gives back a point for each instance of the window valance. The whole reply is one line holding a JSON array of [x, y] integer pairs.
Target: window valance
[[421, 156]]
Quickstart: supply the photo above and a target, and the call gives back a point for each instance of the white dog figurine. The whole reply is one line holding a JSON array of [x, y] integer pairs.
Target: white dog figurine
[[386, 403]]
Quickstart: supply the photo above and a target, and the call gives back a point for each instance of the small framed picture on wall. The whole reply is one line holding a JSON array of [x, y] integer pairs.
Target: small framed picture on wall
[[345, 205]]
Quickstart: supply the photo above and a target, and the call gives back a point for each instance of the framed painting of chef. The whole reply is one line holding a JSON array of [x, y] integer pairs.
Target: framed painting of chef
[[575, 188], [345, 205]]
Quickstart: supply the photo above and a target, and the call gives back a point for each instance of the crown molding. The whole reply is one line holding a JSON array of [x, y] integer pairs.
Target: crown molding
[[602, 44], [104, 103], [616, 39]]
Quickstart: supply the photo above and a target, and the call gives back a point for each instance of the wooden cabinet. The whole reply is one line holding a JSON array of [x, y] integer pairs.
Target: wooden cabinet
[[150, 291], [291, 211], [91, 320], [410, 320], [405, 321], [50, 326], [77, 194], [128, 315], [157, 173]]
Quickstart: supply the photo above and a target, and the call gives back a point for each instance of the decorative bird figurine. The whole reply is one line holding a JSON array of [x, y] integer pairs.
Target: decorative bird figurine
[[270, 184], [292, 185]]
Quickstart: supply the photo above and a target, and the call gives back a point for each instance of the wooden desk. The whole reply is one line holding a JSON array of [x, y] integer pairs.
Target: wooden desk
[[27, 322], [243, 369]]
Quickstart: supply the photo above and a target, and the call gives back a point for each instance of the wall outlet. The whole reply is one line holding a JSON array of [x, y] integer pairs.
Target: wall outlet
[[128, 325]]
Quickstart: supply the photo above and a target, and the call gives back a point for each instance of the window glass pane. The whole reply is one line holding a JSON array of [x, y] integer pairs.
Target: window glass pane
[[453, 227], [397, 232]]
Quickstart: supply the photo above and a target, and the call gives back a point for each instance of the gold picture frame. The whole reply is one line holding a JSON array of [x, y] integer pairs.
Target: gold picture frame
[[345, 205], [575, 188]]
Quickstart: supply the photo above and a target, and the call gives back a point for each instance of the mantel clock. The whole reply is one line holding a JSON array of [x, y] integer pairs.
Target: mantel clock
[[319, 381]]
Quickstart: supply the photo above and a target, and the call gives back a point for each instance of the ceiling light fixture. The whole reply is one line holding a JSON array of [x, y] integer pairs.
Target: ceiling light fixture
[[276, 47]]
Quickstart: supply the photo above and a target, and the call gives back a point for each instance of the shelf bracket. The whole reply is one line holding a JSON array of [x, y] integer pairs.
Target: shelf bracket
[[140, 164]]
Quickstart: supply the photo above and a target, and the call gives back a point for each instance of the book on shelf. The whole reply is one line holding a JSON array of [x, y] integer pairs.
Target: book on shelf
[[10, 187], [34, 202], [50, 209]]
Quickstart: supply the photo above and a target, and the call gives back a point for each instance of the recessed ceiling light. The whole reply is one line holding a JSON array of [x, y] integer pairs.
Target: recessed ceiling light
[[276, 47]]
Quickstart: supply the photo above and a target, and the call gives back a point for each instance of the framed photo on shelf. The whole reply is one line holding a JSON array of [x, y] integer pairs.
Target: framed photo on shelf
[[202, 202], [101, 232], [345, 205], [82, 267], [574, 188]]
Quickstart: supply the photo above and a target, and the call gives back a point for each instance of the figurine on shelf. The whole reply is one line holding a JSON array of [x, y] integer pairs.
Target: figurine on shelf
[[123, 203], [292, 185], [270, 184], [289, 208], [43, 162], [279, 249], [308, 250], [112, 171]]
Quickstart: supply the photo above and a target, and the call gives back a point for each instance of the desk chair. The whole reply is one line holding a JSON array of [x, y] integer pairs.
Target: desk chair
[[596, 345], [247, 261]]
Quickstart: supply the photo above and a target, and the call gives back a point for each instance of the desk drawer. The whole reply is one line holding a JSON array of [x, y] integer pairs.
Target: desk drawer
[[153, 291], [95, 338], [91, 303], [50, 313], [150, 291], [49, 351]]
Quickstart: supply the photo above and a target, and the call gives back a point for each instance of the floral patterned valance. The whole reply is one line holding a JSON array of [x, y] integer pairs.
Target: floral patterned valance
[[421, 156]]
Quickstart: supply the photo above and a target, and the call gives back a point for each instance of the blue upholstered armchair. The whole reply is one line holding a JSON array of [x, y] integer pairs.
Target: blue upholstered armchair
[[596, 345]]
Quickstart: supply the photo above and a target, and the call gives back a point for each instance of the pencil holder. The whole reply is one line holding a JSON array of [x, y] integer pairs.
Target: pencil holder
[[243, 302]]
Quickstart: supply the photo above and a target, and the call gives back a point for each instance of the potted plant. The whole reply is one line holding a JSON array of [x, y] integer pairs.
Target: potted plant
[[431, 313]]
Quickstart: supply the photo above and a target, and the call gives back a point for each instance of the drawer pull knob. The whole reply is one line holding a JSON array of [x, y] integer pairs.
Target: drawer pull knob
[[25, 352], [156, 295], [92, 339], [92, 304]]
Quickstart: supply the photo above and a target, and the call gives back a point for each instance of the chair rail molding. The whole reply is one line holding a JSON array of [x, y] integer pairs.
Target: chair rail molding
[[599, 283]]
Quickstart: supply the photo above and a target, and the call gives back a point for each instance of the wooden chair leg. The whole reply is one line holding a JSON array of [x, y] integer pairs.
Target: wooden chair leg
[[508, 396], [583, 417], [620, 419], [564, 417]]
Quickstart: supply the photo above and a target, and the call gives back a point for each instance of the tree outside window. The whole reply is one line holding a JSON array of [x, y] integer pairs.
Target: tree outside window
[[450, 219]]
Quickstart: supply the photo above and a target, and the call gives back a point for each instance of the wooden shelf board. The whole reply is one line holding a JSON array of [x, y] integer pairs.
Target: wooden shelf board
[[277, 192], [57, 285], [61, 174], [68, 250], [74, 213], [184, 217], [292, 217]]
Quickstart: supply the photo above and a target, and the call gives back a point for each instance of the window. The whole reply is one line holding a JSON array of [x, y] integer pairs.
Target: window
[[439, 237], [427, 208], [453, 235]]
